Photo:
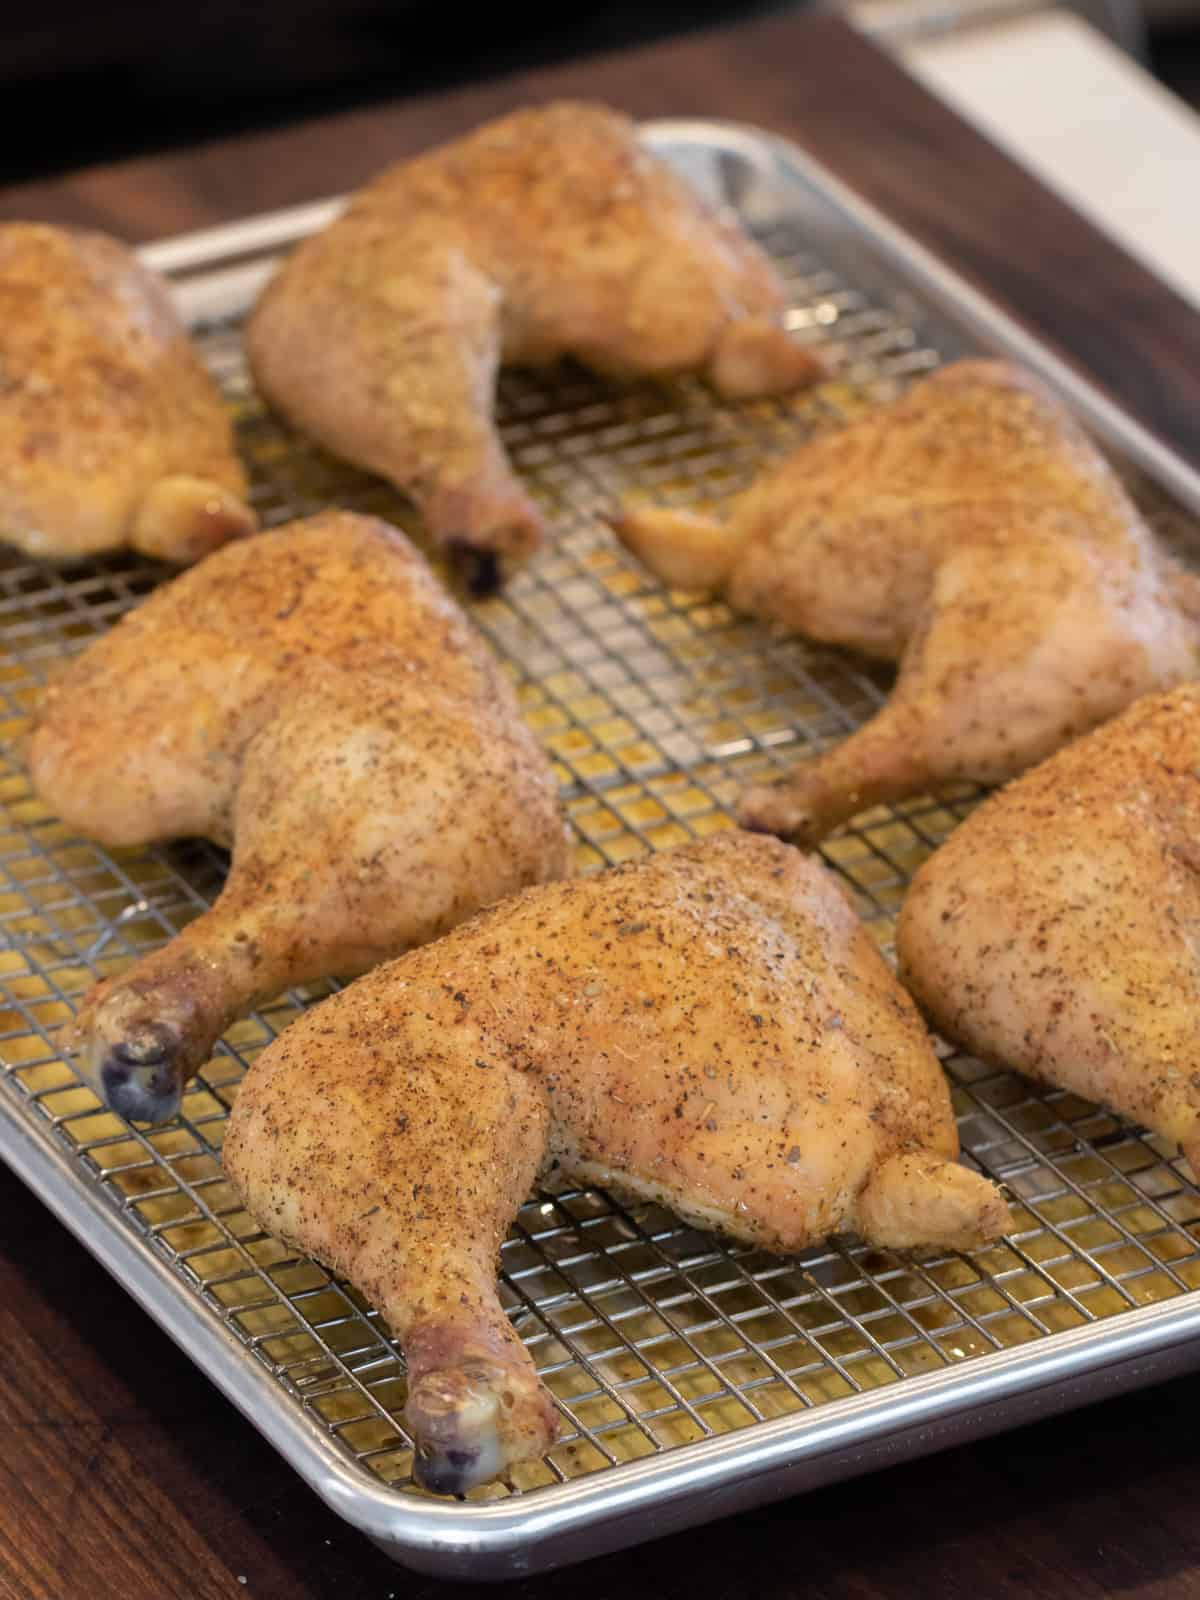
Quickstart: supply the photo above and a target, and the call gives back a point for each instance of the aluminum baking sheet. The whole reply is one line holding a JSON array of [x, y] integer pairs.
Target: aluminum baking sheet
[[693, 1375]]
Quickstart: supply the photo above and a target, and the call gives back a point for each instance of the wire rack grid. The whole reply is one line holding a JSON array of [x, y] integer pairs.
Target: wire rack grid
[[655, 707]]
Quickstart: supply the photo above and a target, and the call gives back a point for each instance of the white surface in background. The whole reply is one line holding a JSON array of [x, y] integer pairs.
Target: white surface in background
[[1090, 122]]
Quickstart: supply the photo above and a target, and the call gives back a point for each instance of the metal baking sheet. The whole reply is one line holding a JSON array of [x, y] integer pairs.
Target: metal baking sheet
[[694, 1376]]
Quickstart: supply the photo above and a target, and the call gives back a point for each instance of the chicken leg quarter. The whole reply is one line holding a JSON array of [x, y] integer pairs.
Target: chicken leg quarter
[[312, 698], [1058, 930], [551, 232], [971, 532], [111, 431], [710, 1027]]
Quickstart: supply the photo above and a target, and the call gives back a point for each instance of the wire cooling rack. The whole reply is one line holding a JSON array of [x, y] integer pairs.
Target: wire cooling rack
[[655, 707]]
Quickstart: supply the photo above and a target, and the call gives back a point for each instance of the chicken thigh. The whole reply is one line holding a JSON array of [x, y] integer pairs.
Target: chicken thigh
[[1058, 930], [111, 431], [710, 1027], [550, 232], [971, 532], [312, 698]]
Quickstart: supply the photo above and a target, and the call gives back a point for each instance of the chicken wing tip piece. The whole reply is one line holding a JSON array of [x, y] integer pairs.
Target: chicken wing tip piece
[[182, 519], [685, 549], [913, 1200]]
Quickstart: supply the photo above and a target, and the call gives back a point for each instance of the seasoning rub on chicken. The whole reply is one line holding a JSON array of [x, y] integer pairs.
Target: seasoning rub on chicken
[[710, 1027]]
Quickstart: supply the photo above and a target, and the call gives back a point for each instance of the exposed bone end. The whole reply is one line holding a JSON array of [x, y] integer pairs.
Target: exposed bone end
[[472, 1423], [917, 1199], [184, 519], [789, 808], [501, 522]]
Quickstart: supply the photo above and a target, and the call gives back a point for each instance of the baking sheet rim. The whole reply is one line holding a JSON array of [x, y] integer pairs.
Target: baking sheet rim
[[507, 1535]]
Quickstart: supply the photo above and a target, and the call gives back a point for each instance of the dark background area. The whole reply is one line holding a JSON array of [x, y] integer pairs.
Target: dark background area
[[84, 83]]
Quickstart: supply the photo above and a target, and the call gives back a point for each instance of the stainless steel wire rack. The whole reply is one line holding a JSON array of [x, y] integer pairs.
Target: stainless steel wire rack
[[679, 1361]]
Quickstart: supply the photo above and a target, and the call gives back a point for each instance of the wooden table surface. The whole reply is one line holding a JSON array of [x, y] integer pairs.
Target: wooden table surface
[[123, 1473]]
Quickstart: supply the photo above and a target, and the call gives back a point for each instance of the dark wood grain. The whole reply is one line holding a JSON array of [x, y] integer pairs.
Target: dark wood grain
[[123, 1474]]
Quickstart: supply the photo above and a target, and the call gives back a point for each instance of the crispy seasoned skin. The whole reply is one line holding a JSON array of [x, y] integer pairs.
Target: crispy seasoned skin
[[314, 699], [1056, 931], [971, 532], [111, 431], [548, 233], [710, 1027]]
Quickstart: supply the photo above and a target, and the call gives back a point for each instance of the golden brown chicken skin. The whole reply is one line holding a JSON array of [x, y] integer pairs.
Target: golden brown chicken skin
[[1056, 931], [313, 699], [111, 431], [971, 532], [550, 232], [710, 1027]]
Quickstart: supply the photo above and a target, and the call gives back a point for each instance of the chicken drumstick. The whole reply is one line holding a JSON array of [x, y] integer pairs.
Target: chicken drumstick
[[971, 532], [314, 699], [551, 232]]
